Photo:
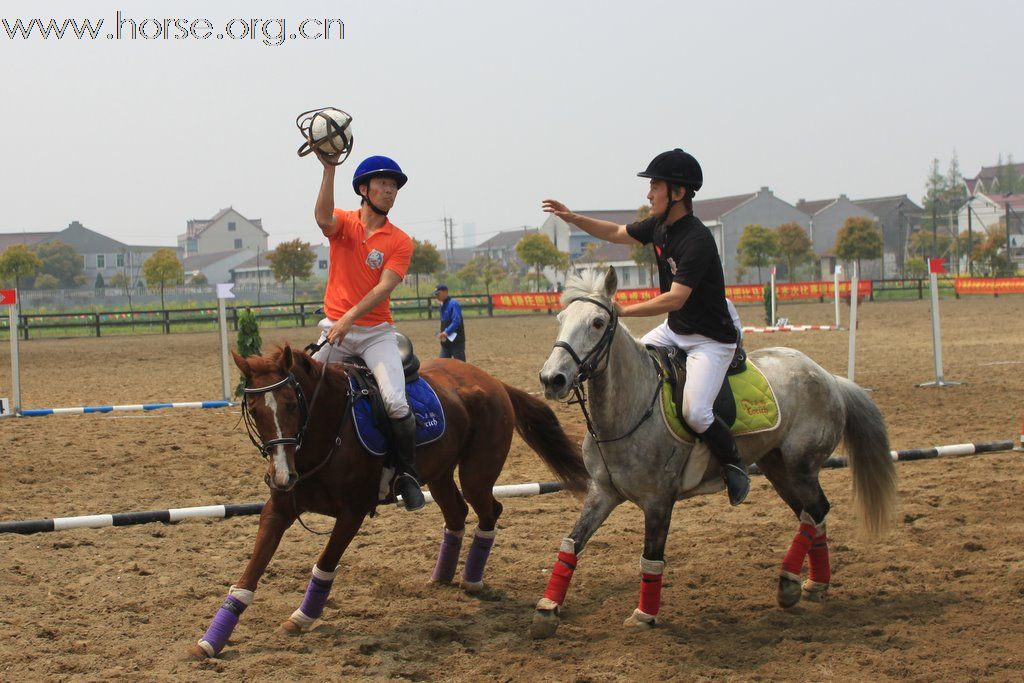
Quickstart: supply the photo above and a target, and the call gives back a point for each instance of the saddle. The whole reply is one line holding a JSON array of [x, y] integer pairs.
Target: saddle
[[672, 363]]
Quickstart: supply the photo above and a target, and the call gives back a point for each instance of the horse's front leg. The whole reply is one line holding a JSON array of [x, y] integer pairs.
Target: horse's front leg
[[277, 515], [597, 505], [346, 525], [657, 519]]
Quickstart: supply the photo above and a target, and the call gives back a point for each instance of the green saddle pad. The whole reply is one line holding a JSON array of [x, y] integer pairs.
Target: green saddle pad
[[757, 410]]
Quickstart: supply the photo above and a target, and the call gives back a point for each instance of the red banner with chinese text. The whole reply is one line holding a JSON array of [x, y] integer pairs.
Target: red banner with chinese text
[[989, 285], [816, 290]]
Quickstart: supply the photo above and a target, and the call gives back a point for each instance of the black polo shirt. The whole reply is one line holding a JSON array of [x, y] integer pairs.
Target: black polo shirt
[[687, 254]]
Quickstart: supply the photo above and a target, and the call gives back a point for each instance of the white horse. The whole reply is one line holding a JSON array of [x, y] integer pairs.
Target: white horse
[[631, 455]]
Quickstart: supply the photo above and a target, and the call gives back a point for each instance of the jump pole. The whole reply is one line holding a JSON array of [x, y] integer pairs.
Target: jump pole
[[835, 291], [839, 461], [851, 358], [33, 526], [935, 266], [9, 298], [775, 320], [224, 292]]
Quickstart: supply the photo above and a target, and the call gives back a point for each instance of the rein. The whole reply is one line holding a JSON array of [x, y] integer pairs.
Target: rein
[[588, 368], [305, 412]]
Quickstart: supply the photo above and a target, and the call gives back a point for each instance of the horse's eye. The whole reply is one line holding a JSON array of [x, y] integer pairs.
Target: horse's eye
[[598, 324]]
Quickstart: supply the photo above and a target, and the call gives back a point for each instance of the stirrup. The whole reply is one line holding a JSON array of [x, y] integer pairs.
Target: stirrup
[[413, 498], [737, 497]]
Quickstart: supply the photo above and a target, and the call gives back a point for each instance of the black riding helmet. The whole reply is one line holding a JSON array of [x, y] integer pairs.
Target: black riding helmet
[[675, 167]]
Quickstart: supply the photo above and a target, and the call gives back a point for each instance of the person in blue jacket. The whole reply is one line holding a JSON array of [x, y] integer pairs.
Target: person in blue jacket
[[453, 329]]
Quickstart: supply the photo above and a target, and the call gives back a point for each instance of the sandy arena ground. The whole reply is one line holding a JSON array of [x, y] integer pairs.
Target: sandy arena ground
[[941, 598]]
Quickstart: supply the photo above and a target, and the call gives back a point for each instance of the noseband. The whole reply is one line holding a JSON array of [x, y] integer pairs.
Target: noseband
[[587, 367], [590, 366], [250, 423]]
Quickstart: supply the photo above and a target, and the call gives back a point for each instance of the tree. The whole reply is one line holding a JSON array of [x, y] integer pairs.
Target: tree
[[916, 267], [794, 246], [758, 247], [161, 269], [199, 279], [61, 261], [425, 261], [98, 283], [120, 280], [17, 262], [859, 238], [293, 259], [968, 243], [481, 269], [991, 256], [921, 243], [46, 281], [537, 251]]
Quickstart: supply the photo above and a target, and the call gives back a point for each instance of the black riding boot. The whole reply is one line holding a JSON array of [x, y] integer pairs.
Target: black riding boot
[[407, 485], [722, 445]]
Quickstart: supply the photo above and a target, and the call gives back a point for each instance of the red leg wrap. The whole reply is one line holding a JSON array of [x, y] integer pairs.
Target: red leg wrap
[[794, 560], [561, 575], [820, 572], [650, 594]]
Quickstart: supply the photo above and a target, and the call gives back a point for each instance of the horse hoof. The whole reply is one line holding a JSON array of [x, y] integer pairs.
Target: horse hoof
[[789, 592], [545, 623], [640, 621], [472, 586], [293, 629], [814, 591], [198, 654]]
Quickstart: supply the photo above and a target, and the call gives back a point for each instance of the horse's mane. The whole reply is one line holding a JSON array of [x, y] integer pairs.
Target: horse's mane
[[588, 283], [303, 366]]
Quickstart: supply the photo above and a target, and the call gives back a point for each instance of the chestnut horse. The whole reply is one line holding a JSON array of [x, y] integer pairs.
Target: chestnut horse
[[300, 412]]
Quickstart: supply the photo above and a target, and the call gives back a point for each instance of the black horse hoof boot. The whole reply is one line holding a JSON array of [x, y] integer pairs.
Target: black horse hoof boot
[[409, 489], [737, 482]]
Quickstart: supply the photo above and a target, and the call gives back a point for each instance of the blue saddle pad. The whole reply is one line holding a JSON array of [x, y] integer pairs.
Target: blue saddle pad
[[424, 403]]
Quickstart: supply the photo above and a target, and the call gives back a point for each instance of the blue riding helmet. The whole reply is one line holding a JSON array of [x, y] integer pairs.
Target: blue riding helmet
[[378, 166]]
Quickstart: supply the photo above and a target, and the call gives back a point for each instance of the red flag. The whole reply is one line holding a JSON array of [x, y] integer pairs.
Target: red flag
[[8, 297], [937, 266]]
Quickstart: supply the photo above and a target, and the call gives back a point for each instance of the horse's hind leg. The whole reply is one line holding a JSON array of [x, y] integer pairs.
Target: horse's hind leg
[[657, 519], [346, 524], [447, 496], [275, 518], [799, 487], [597, 505]]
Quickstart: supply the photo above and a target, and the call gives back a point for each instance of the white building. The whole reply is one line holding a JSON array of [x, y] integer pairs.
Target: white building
[[228, 230]]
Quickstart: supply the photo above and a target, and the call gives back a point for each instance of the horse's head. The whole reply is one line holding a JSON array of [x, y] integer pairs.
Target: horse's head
[[586, 327], [276, 409]]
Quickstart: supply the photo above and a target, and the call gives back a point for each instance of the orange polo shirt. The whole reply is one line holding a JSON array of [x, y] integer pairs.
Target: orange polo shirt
[[357, 263]]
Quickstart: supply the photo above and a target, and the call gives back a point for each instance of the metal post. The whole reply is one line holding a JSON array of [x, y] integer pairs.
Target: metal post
[[835, 292], [223, 293], [851, 357], [15, 365], [774, 318], [970, 241], [940, 381]]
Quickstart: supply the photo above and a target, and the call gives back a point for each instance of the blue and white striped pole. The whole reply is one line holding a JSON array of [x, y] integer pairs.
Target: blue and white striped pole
[[84, 410]]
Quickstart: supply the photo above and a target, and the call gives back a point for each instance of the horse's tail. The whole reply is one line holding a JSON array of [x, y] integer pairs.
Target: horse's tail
[[867, 449], [542, 431]]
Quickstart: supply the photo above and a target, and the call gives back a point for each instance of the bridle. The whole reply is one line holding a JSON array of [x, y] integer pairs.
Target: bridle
[[590, 366], [305, 410]]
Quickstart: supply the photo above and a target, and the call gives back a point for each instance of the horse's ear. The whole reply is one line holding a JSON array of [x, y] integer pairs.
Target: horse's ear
[[243, 364], [287, 358], [611, 282]]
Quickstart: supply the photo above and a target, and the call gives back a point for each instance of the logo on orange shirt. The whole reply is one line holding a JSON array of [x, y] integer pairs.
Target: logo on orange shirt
[[375, 259]]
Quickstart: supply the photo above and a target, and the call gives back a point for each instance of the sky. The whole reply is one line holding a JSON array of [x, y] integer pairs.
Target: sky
[[492, 107]]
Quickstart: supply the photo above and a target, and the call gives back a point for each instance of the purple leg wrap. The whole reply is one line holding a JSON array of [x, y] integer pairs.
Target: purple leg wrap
[[476, 559], [317, 592], [447, 557], [224, 623]]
